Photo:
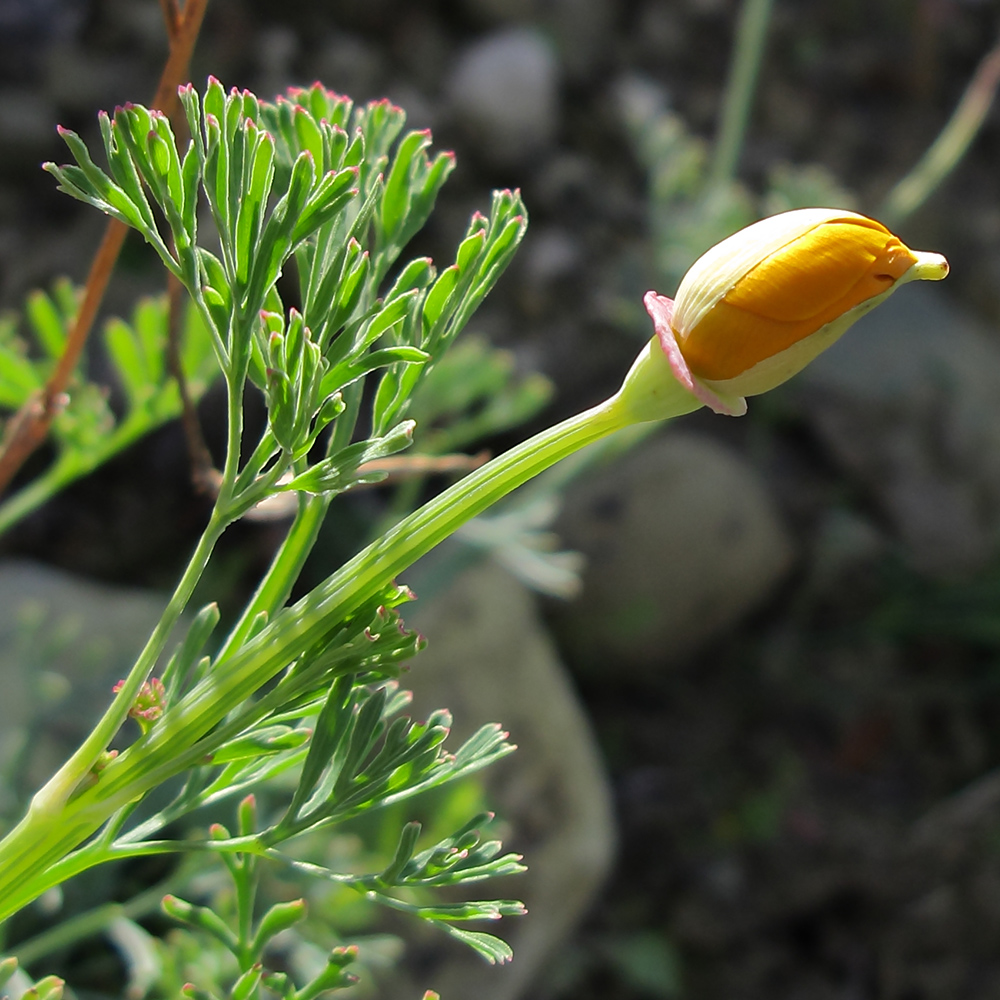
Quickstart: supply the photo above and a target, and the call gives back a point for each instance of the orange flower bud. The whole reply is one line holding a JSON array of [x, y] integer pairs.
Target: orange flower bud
[[759, 306]]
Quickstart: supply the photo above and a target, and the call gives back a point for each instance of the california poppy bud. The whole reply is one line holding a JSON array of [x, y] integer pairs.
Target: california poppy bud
[[759, 306]]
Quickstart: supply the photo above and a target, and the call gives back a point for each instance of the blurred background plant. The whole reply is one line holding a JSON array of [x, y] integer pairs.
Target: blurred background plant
[[830, 705]]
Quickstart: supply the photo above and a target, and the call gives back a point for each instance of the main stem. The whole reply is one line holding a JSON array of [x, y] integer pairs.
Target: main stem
[[46, 835], [52, 797], [315, 616]]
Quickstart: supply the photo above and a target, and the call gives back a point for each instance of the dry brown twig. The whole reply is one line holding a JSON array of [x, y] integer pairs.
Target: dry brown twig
[[29, 427], [171, 16]]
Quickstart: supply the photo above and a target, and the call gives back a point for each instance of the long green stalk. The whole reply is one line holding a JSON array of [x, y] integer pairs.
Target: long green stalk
[[950, 145], [274, 588], [46, 835], [748, 50], [50, 799]]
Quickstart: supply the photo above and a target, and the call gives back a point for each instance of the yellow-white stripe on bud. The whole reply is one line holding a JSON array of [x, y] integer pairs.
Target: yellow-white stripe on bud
[[759, 306]]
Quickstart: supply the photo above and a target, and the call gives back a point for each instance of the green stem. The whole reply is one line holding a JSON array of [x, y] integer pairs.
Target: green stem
[[751, 34], [45, 836], [49, 801], [230, 471], [92, 922], [358, 582], [47, 832], [94, 854], [284, 570], [37, 492], [950, 145], [68, 467], [266, 447]]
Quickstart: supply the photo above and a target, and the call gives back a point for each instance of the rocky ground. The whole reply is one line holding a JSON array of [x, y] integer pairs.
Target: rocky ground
[[788, 639]]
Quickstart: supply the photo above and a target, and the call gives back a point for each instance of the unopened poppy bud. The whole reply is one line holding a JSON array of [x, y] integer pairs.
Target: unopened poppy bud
[[759, 306]]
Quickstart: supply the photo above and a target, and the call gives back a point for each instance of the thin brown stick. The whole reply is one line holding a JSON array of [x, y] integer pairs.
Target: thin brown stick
[[28, 428], [171, 17], [181, 47]]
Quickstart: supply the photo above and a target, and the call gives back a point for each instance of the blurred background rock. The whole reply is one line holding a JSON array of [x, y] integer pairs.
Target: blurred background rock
[[800, 724]]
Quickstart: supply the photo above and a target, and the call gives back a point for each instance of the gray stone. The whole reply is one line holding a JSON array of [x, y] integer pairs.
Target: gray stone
[[277, 48], [579, 28], [682, 540], [908, 402], [139, 20], [504, 91], [489, 659], [81, 81]]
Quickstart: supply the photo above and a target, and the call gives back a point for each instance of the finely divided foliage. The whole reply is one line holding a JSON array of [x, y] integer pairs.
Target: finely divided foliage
[[312, 178], [306, 695]]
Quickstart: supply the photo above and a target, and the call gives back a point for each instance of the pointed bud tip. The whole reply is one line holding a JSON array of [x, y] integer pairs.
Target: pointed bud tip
[[929, 266]]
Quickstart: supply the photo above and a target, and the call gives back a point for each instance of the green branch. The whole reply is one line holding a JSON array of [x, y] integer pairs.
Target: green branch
[[748, 50]]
